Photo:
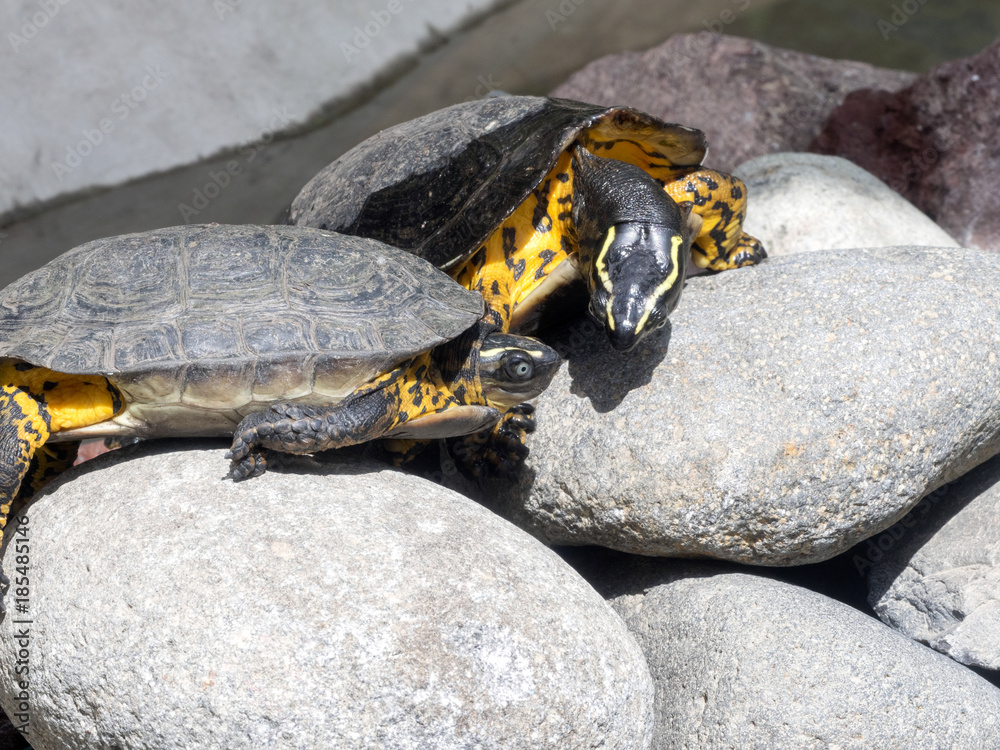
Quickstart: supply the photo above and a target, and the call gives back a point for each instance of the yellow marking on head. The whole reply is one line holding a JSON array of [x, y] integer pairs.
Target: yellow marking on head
[[501, 350], [600, 263], [676, 242]]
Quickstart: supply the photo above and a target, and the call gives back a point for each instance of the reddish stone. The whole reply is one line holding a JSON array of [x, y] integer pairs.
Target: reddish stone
[[937, 142], [749, 98]]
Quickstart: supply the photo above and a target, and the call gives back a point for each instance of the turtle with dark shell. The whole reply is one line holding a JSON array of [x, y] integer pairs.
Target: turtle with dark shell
[[287, 338], [516, 196]]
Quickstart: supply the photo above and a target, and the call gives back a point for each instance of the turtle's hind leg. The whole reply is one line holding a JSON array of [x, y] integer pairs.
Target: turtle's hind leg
[[50, 460], [24, 428]]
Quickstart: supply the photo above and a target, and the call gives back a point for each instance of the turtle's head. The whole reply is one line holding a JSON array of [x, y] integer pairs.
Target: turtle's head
[[515, 369], [637, 278], [634, 245]]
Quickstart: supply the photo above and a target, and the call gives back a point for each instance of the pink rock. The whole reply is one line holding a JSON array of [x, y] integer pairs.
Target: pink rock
[[749, 98], [937, 142]]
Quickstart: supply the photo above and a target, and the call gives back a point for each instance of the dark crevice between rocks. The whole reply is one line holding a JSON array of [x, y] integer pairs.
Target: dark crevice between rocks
[[615, 573], [10, 738]]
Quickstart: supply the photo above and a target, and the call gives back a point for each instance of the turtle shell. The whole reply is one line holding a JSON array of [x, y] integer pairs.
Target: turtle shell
[[438, 185], [225, 316]]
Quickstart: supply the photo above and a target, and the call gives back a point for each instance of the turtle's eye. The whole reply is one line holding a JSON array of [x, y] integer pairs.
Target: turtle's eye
[[518, 366]]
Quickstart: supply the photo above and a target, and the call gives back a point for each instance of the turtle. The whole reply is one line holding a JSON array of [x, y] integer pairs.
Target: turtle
[[288, 338], [515, 196]]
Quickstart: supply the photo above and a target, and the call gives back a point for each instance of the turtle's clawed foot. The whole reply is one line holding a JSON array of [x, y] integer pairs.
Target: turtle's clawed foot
[[247, 461], [748, 252], [499, 451], [252, 465]]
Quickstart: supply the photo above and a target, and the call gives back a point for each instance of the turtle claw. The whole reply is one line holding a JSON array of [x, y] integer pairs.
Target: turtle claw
[[748, 252], [499, 451], [251, 465]]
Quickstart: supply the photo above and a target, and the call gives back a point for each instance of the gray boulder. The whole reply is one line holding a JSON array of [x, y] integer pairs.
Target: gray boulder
[[810, 202], [322, 605], [788, 410], [936, 575], [742, 661]]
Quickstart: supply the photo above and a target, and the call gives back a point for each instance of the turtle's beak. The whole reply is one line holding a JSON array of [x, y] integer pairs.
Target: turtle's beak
[[626, 315]]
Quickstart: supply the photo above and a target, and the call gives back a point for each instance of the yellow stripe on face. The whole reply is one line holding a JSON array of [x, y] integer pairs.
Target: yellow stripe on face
[[676, 243], [500, 351], [600, 265]]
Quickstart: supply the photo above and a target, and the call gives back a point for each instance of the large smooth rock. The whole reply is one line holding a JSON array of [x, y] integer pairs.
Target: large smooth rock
[[937, 577], [742, 661], [342, 605], [748, 97], [788, 410], [807, 202], [937, 142]]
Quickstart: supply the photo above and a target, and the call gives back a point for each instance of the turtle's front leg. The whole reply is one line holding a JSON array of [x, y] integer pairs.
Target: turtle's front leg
[[721, 201], [498, 451], [365, 415], [296, 428], [24, 428]]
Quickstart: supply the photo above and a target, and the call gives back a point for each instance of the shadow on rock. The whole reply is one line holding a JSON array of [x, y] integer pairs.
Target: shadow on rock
[[601, 374]]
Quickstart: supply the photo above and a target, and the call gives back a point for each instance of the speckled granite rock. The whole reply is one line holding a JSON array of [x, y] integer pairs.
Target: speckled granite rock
[[356, 609], [749, 98], [807, 202], [788, 411], [937, 142], [939, 582], [742, 661]]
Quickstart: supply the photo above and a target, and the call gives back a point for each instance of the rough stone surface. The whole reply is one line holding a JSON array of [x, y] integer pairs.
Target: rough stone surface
[[359, 608], [807, 202], [787, 411], [748, 97], [937, 142], [939, 583], [742, 661]]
